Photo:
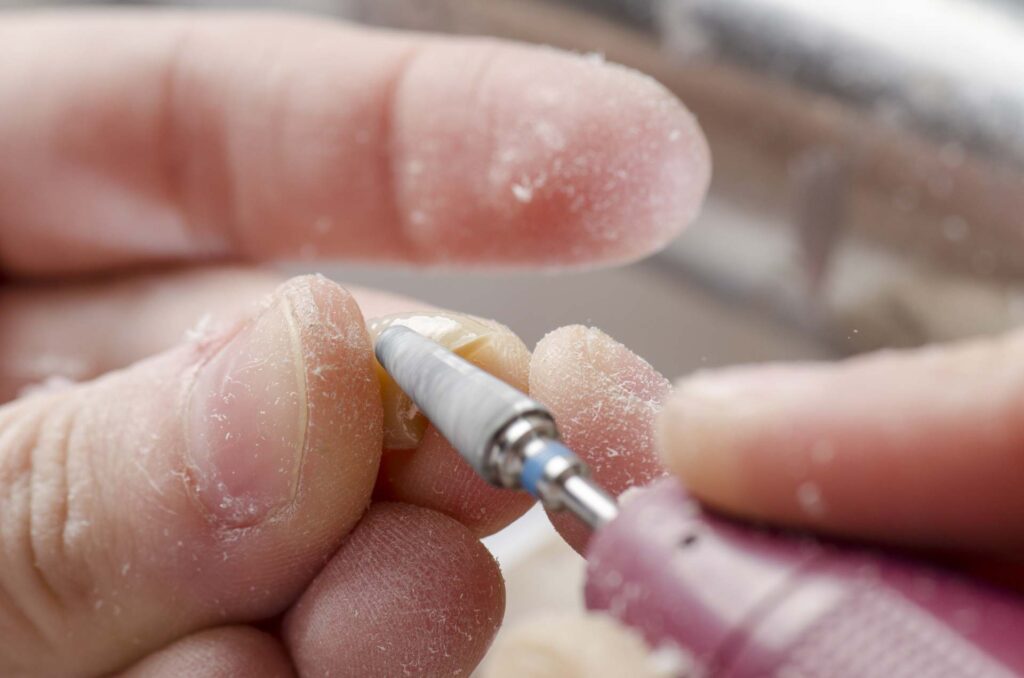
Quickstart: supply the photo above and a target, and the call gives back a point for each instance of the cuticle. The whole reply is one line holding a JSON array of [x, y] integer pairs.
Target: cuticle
[[295, 336]]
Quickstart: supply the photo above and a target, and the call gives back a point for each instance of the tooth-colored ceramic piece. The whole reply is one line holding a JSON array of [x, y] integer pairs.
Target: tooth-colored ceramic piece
[[488, 345]]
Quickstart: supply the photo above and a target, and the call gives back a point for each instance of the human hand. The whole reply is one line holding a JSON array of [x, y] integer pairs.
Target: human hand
[[917, 449], [202, 511]]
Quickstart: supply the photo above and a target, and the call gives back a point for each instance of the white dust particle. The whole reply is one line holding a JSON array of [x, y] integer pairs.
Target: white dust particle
[[202, 328], [77, 527], [525, 188], [674, 135], [809, 496], [523, 192], [595, 58], [549, 135], [418, 217]]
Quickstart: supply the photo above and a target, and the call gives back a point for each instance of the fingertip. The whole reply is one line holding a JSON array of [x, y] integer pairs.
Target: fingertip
[[698, 440], [604, 398], [565, 160], [344, 421], [410, 590], [655, 164]]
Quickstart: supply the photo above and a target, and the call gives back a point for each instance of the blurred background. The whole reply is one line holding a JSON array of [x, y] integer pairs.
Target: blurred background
[[868, 187], [868, 184]]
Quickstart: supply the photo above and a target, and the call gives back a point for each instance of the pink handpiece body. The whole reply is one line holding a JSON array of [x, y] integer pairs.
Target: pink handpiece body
[[741, 602]]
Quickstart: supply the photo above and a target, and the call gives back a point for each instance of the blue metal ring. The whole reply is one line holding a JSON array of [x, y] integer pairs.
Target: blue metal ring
[[533, 467]]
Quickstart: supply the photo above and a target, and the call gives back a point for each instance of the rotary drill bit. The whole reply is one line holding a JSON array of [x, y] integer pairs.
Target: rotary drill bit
[[508, 438]]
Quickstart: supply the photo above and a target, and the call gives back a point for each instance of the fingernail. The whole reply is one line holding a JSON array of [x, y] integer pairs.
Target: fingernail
[[246, 420]]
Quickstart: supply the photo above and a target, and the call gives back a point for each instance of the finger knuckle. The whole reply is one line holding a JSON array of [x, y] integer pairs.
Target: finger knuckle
[[38, 576]]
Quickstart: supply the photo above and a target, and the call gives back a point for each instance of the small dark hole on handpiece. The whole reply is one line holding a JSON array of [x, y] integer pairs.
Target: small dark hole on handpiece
[[688, 540]]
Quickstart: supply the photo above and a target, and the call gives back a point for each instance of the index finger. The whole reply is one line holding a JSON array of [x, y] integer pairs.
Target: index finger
[[137, 137], [920, 448]]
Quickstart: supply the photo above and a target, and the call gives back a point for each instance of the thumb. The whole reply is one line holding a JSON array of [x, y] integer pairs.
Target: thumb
[[205, 485]]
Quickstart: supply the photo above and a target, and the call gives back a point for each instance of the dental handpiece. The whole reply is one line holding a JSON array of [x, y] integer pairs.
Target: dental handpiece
[[720, 597], [508, 438]]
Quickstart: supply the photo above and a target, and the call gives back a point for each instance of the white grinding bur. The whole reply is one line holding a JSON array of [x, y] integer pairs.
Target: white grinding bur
[[507, 437]]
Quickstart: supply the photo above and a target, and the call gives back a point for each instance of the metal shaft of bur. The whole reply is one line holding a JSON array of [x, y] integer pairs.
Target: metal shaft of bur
[[587, 501], [506, 436]]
